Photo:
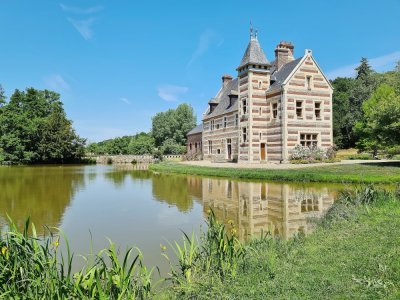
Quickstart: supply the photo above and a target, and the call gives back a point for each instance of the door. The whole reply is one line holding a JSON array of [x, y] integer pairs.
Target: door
[[262, 151], [229, 148]]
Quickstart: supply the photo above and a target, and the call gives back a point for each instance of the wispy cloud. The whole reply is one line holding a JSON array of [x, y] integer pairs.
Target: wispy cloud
[[125, 100], [56, 82], [84, 27], [380, 63], [206, 40], [170, 92], [82, 11]]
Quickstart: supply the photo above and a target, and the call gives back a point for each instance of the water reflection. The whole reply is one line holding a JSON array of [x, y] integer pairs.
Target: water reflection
[[43, 193], [135, 207], [275, 208]]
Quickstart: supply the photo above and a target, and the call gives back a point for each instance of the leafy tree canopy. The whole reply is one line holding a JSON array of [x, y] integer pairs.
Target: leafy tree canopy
[[34, 129], [380, 127]]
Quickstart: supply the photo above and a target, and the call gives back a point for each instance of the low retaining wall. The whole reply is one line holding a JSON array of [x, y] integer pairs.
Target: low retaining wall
[[128, 159]]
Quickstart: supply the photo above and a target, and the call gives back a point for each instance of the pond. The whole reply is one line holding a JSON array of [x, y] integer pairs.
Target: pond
[[135, 207]]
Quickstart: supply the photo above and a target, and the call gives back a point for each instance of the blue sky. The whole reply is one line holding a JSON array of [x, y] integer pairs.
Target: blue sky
[[117, 63]]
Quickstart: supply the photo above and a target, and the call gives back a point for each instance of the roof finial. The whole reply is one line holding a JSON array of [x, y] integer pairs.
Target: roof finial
[[251, 29]]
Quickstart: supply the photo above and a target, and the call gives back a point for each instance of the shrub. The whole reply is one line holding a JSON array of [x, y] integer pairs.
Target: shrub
[[312, 153], [171, 147], [361, 156]]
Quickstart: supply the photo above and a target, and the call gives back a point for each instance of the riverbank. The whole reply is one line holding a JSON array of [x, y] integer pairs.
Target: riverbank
[[351, 172], [353, 254]]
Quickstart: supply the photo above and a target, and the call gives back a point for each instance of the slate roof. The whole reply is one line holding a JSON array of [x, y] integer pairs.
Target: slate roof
[[281, 75], [254, 54], [222, 97], [197, 129]]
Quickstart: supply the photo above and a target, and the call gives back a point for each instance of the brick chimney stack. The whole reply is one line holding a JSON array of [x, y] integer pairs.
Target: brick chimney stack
[[226, 79], [284, 53]]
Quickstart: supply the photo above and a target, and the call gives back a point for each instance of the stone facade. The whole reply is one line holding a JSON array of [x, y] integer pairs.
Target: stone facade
[[269, 108]]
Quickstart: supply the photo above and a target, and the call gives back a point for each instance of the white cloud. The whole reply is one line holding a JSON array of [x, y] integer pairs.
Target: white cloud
[[380, 63], [84, 27], [83, 11], [125, 100], [207, 38], [56, 82], [170, 92]]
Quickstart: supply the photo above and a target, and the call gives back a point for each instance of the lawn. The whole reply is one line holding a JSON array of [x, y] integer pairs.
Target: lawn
[[385, 172]]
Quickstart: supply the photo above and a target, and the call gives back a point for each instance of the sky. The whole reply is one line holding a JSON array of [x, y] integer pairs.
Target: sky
[[117, 63]]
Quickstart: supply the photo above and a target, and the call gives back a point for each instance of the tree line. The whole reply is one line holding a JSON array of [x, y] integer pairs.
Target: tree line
[[167, 136], [366, 110]]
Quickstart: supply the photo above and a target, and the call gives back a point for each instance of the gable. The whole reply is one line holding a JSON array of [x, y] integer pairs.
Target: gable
[[308, 67]]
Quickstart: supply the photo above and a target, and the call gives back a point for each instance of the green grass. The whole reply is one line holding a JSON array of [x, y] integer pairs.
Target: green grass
[[353, 254], [386, 172]]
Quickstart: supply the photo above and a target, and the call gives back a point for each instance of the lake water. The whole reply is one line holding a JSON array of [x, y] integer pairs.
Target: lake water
[[134, 207]]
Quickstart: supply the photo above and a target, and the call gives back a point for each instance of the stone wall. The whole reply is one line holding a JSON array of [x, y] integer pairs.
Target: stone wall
[[128, 159]]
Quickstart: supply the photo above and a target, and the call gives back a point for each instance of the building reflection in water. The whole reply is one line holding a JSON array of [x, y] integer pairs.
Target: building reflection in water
[[258, 208]]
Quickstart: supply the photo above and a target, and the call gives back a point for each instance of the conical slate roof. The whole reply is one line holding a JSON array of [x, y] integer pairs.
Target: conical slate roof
[[254, 55]]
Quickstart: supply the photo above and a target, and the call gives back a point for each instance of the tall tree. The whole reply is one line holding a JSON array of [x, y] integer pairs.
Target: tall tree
[[34, 128], [380, 127], [173, 125]]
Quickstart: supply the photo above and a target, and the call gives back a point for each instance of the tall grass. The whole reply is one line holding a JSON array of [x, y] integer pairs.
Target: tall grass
[[33, 268]]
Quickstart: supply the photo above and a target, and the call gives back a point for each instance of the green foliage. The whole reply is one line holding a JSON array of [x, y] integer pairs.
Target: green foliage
[[173, 125], [169, 146], [34, 268], [139, 144], [34, 129], [380, 127], [348, 98], [360, 156]]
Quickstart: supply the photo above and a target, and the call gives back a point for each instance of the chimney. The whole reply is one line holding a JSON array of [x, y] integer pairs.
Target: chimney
[[283, 53], [226, 79]]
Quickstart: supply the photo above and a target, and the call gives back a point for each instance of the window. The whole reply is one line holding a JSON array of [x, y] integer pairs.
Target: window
[[190, 146], [244, 134], [260, 135], [310, 204], [299, 109], [212, 125], [225, 122], [309, 82], [309, 139], [244, 106], [209, 147], [317, 110], [217, 126], [236, 120], [260, 111], [274, 110], [218, 151], [259, 84]]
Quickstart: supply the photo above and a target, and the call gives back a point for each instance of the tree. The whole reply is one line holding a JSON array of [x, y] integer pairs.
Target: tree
[[342, 120], [173, 125], [380, 127], [2, 96], [142, 143], [34, 129]]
